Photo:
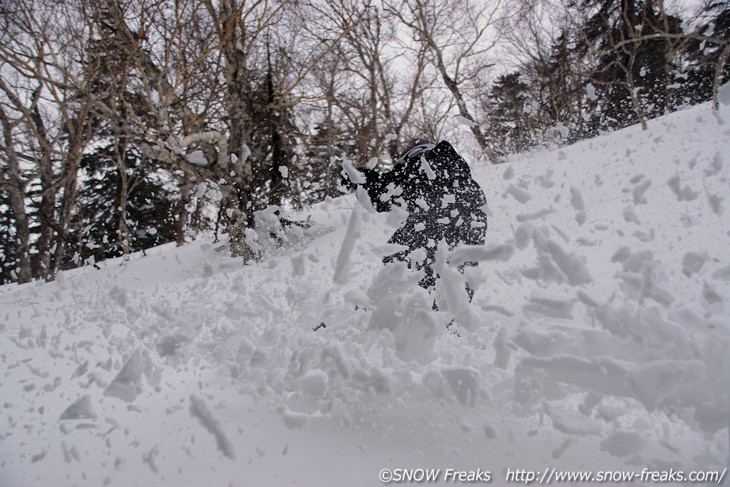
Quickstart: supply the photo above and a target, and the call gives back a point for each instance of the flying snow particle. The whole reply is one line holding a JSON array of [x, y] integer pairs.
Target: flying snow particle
[[80, 409], [630, 215], [465, 121], [509, 173], [591, 92], [342, 266], [200, 410], [576, 199], [355, 176], [710, 295], [639, 192], [127, 385], [525, 217], [426, 169], [723, 95], [479, 253], [683, 193], [519, 194], [692, 262]]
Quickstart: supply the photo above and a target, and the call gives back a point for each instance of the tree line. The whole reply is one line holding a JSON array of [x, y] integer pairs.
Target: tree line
[[127, 124]]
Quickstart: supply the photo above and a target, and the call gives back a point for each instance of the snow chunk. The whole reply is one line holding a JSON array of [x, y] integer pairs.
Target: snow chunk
[[404, 308], [519, 194], [591, 92], [465, 121], [551, 305], [623, 443], [630, 215], [710, 295], [80, 409], [197, 158], [573, 422], [357, 297], [723, 94], [523, 235], [722, 274], [293, 419], [314, 383], [168, 345], [639, 192], [464, 381], [355, 176], [509, 173], [603, 375], [692, 262], [658, 380], [343, 264], [576, 199], [502, 349], [245, 153], [524, 217], [427, 170], [715, 165], [479, 253], [200, 410], [127, 385], [553, 258], [715, 203], [683, 193]]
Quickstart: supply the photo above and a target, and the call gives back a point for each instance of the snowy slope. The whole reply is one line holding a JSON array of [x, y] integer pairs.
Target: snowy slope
[[597, 339]]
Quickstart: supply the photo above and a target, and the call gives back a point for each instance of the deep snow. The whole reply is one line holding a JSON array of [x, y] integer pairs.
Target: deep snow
[[597, 340]]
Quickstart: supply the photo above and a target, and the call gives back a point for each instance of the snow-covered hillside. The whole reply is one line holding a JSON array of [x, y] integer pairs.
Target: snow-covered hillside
[[597, 339]]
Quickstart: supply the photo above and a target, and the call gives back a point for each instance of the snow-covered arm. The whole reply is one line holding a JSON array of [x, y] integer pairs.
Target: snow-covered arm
[[448, 164], [376, 185]]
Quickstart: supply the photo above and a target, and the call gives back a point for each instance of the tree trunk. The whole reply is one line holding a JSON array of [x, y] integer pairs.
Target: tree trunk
[[122, 227], [719, 72], [15, 186], [47, 205], [181, 213], [236, 205]]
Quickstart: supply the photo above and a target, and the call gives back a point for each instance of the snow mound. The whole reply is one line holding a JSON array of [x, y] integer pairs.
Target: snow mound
[[597, 337]]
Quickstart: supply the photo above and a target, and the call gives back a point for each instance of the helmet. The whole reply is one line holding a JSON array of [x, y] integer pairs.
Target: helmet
[[414, 148]]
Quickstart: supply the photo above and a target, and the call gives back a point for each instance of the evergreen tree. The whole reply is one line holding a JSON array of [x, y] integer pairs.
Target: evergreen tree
[[322, 161], [633, 60], [8, 243], [273, 138], [704, 56], [149, 208], [510, 122]]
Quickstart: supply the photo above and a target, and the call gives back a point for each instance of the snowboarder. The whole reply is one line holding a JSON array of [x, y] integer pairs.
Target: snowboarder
[[433, 183]]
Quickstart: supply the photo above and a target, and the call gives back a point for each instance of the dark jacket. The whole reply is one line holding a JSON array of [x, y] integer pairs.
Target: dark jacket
[[443, 203]]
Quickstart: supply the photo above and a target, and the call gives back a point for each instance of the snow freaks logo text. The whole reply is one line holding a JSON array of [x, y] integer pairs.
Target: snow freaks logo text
[[421, 475]]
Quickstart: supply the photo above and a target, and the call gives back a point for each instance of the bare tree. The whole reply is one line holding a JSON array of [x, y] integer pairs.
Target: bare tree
[[458, 34], [540, 41], [14, 183], [47, 118]]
